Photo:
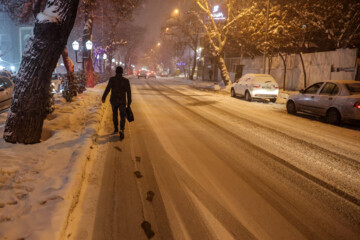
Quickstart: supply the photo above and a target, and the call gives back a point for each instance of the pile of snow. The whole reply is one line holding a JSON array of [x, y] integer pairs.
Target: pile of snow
[[40, 183]]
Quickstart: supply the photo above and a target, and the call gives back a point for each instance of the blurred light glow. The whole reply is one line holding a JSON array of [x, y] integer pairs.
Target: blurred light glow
[[12, 68], [104, 56], [76, 45], [89, 45], [2, 67]]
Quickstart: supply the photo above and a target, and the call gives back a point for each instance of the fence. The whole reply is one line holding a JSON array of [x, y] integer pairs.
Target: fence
[[340, 64]]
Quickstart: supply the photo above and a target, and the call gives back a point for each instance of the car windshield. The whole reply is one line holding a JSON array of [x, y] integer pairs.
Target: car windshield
[[354, 88]]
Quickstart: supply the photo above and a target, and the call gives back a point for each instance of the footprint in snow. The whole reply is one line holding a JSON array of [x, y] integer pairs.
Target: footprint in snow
[[146, 226], [117, 148], [51, 199], [138, 174], [150, 196]]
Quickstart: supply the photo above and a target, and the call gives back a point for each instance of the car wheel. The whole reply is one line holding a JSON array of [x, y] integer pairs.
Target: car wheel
[[333, 116], [233, 94], [290, 107], [273, 100], [248, 96]]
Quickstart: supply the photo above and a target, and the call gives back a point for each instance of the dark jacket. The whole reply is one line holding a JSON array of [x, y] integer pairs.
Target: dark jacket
[[120, 87]]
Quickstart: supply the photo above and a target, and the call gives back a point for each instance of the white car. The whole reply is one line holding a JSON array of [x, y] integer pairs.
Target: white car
[[256, 86], [336, 100]]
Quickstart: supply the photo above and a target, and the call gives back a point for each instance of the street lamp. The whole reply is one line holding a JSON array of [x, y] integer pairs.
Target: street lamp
[[86, 49], [159, 44], [104, 56], [176, 11], [89, 45], [76, 45]]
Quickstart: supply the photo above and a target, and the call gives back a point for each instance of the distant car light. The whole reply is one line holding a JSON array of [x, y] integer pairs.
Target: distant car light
[[357, 105]]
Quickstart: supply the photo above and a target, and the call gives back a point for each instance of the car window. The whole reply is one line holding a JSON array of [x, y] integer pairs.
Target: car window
[[335, 90], [264, 80], [313, 88], [354, 88], [329, 89], [2, 84], [7, 82]]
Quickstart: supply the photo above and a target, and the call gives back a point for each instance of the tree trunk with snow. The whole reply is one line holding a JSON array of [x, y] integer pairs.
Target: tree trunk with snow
[[223, 71], [28, 108]]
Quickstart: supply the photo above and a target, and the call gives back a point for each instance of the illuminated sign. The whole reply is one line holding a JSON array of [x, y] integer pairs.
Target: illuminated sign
[[217, 14]]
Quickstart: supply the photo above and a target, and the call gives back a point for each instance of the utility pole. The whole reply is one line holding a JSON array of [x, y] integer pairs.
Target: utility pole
[[266, 34]]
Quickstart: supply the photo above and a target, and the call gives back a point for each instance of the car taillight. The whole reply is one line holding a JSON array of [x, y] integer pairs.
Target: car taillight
[[256, 86], [276, 87], [357, 105]]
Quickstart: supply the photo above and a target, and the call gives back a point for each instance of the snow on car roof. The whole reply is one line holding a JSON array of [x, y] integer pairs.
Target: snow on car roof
[[258, 75]]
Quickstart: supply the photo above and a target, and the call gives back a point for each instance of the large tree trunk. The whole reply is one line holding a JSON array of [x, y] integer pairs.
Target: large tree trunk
[[28, 108], [224, 71]]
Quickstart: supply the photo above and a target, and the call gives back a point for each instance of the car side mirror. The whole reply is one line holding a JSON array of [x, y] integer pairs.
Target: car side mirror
[[302, 91]]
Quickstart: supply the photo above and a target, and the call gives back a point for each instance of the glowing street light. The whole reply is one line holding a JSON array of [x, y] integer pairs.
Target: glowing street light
[[89, 45], [76, 45], [104, 56], [113, 60], [176, 11], [159, 44]]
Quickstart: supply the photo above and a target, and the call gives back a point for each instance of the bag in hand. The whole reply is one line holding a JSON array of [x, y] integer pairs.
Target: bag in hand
[[129, 114]]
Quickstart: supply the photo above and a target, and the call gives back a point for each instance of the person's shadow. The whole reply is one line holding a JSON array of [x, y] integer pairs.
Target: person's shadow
[[108, 138]]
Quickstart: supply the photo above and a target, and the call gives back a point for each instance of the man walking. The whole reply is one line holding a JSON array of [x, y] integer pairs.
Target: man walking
[[120, 88]]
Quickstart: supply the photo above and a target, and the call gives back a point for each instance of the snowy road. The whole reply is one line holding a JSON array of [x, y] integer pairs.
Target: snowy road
[[221, 168]]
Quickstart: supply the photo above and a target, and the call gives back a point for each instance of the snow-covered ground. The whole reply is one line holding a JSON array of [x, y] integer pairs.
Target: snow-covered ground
[[187, 150], [40, 184]]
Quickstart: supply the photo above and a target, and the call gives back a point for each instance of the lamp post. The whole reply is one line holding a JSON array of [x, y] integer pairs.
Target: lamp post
[[85, 49], [104, 58], [266, 33]]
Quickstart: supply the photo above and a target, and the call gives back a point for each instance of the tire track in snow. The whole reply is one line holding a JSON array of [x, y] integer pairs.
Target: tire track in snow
[[335, 156], [340, 193]]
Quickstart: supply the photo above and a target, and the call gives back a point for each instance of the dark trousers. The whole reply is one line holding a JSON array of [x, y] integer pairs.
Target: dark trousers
[[122, 109]]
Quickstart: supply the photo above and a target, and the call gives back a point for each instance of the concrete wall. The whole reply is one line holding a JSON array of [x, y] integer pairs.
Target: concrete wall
[[339, 64]]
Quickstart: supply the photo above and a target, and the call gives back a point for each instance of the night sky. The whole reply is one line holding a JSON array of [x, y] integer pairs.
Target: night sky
[[151, 15]]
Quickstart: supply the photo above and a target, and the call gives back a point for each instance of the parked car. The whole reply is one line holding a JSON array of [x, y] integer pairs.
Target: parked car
[[151, 74], [336, 100], [256, 86], [164, 74], [142, 73], [6, 92], [5, 73]]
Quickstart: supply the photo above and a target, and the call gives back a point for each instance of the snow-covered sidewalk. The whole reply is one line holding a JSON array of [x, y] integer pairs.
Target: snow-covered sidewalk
[[40, 184]]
